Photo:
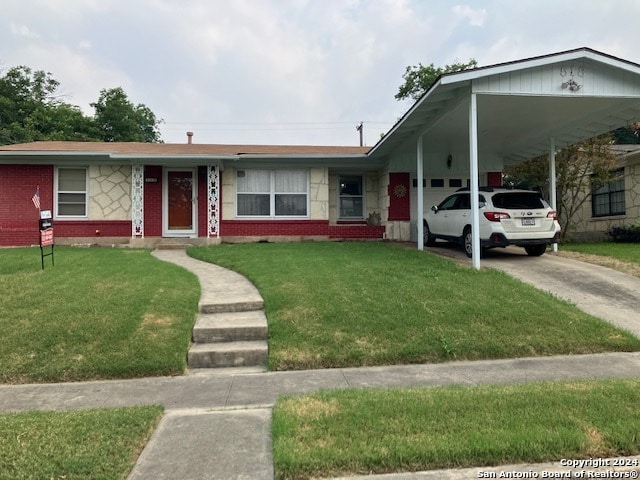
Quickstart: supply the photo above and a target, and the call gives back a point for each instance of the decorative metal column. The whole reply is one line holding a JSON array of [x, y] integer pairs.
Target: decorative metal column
[[213, 201], [137, 200]]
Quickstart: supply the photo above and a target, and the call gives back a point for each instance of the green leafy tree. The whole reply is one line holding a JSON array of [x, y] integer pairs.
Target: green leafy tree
[[119, 120], [32, 108], [418, 79], [580, 168]]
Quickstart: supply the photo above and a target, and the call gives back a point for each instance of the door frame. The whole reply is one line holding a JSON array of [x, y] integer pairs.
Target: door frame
[[193, 232]]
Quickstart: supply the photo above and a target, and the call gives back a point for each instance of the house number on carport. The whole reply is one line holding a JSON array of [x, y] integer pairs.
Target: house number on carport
[[572, 70], [571, 84]]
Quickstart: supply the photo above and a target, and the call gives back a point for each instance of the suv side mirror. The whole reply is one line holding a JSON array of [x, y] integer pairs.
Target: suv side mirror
[[435, 209]]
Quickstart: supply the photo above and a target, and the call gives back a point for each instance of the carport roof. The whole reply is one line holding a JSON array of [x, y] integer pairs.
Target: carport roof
[[569, 96]]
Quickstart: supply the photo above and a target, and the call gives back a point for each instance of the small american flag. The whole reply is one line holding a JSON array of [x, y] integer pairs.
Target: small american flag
[[36, 198]]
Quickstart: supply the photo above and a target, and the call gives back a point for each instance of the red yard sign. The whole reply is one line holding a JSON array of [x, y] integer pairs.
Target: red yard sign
[[46, 237]]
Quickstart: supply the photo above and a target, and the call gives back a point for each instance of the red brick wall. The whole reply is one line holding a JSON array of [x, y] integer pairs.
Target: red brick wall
[[18, 216], [92, 228], [257, 228]]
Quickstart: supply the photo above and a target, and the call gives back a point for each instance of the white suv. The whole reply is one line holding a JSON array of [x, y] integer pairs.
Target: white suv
[[507, 217]]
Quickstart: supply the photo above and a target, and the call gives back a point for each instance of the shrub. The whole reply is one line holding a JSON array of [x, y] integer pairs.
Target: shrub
[[625, 233]]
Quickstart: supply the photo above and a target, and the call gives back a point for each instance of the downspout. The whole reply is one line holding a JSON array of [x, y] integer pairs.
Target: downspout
[[552, 181], [420, 198], [473, 167]]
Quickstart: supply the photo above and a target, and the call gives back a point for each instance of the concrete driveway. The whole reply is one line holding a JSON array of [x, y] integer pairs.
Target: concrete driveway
[[600, 291]]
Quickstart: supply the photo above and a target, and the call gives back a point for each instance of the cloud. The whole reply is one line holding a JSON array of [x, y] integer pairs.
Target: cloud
[[22, 31], [475, 17], [287, 71]]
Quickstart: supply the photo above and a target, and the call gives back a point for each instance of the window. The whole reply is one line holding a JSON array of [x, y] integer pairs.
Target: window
[[514, 200], [351, 198], [608, 199], [272, 193], [71, 192]]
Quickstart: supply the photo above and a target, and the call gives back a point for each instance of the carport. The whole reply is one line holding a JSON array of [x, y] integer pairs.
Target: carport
[[504, 114]]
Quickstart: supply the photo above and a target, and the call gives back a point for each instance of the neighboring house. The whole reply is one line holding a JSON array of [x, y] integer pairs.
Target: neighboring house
[[614, 204], [461, 132]]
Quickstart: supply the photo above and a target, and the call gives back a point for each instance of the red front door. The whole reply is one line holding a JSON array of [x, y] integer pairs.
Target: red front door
[[180, 202]]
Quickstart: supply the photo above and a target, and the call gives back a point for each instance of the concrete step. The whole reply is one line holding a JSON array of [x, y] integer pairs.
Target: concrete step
[[230, 327], [233, 306], [227, 354]]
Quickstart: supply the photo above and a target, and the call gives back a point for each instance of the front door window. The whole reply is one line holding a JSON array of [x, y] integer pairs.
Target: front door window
[[180, 198]]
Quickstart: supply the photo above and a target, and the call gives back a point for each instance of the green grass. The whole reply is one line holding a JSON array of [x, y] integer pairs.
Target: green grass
[[97, 314], [379, 431], [626, 252], [354, 304], [96, 444]]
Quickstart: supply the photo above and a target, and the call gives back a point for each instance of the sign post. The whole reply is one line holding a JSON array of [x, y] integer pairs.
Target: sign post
[[46, 235]]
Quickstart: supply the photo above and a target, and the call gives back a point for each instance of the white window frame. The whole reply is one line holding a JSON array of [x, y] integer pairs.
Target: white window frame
[[272, 195], [57, 191], [364, 196]]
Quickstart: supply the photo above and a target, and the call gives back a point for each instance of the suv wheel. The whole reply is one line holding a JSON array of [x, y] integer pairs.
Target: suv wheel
[[427, 238], [467, 242], [535, 250]]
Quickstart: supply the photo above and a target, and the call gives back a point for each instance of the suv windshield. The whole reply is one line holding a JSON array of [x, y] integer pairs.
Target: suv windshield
[[518, 200]]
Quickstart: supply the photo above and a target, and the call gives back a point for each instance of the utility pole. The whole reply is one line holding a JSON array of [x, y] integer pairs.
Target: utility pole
[[360, 128]]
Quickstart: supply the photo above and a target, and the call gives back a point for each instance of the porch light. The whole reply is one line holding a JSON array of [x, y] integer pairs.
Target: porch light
[[572, 85]]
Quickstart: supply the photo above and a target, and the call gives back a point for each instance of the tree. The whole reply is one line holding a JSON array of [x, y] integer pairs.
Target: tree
[[580, 169], [32, 108], [418, 79], [29, 100], [119, 120]]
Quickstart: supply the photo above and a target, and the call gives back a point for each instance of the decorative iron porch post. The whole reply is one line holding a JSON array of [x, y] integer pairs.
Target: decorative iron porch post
[[213, 201], [137, 200]]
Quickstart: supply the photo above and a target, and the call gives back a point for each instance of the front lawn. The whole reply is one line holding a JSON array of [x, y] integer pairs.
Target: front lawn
[[626, 252], [98, 313], [96, 444], [348, 304], [352, 432]]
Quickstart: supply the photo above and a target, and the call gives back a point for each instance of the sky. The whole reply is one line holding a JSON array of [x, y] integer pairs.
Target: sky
[[301, 72]]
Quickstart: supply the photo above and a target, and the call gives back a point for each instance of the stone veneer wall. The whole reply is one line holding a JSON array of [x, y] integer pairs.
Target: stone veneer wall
[[319, 194], [590, 228], [110, 192]]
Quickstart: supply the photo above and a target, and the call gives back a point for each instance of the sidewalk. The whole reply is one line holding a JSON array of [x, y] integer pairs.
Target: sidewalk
[[217, 424]]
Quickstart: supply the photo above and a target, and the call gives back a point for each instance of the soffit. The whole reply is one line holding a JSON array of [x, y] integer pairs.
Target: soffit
[[521, 105]]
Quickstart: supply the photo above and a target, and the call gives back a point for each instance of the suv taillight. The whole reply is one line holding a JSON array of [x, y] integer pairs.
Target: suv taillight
[[496, 216], [552, 214]]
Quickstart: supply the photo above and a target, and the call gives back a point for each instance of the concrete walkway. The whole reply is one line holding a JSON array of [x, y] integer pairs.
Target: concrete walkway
[[600, 291], [217, 423]]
